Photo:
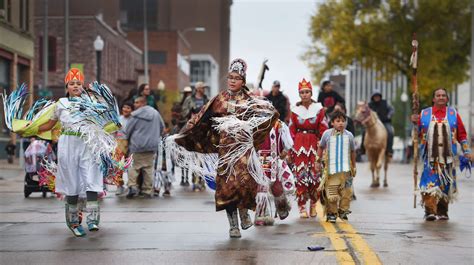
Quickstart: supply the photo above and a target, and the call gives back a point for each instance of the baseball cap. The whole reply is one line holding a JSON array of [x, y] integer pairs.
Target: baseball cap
[[276, 83]]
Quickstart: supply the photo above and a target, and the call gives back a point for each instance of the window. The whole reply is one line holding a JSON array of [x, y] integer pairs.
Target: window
[[5, 74], [131, 14], [9, 10], [200, 71], [51, 53], [24, 15], [5, 65], [157, 57], [3, 11]]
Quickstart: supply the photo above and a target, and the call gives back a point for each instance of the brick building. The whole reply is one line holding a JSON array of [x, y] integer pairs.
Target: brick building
[[121, 60], [209, 49], [16, 48], [175, 50]]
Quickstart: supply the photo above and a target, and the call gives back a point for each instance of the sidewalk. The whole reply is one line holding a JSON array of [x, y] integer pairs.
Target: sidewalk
[[5, 165], [9, 171]]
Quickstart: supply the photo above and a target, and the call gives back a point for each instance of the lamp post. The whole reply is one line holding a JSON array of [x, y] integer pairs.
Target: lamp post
[[197, 29], [98, 47], [404, 99], [186, 30]]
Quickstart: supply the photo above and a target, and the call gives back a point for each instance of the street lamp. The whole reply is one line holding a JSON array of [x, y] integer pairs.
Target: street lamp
[[197, 29], [98, 47], [404, 99], [184, 31]]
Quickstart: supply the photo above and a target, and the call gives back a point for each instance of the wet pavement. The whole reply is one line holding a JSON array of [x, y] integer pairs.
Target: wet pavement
[[185, 229]]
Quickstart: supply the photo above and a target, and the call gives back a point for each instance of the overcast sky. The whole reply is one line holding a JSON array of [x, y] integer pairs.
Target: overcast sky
[[276, 30]]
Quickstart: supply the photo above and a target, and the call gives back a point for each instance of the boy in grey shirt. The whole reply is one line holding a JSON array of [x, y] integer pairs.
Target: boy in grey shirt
[[339, 168]]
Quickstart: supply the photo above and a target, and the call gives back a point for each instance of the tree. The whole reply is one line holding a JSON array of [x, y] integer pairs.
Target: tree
[[378, 34]]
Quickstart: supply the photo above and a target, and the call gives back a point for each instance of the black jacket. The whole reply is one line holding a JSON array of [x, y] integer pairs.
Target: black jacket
[[280, 102], [383, 109], [330, 99]]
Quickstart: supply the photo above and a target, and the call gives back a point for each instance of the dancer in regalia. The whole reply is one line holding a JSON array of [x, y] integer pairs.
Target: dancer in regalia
[[339, 168], [84, 120], [223, 136], [441, 129], [273, 152], [306, 126]]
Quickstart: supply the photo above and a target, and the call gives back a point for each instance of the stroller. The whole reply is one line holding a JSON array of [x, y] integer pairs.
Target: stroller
[[37, 151]]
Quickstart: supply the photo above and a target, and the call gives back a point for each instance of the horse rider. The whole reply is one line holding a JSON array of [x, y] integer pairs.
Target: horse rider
[[385, 112]]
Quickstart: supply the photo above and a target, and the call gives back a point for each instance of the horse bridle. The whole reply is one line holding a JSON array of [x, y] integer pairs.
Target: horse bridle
[[369, 122]]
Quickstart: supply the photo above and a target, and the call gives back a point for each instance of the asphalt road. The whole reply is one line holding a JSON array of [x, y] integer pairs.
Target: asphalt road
[[184, 229]]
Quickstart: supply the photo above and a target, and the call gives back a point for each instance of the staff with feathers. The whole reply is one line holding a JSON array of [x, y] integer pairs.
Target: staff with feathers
[[415, 110]]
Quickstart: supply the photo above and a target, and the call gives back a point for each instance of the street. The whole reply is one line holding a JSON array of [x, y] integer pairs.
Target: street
[[185, 229]]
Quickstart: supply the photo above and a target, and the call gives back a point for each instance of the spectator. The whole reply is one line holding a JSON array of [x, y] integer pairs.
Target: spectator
[[143, 133], [279, 101], [145, 91], [122, 143], [328, 97], [194, 103], [185, 103], [10, 150]]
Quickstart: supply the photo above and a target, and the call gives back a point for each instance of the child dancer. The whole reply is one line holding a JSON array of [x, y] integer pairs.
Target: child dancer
[[85, 146], [339, 168]]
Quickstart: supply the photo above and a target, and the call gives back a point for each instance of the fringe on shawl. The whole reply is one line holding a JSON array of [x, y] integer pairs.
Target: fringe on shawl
[[263, 204], [200, 164], [241, 127]]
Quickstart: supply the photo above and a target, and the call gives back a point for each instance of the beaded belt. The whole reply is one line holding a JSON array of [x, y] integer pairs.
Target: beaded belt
[[71, 133]]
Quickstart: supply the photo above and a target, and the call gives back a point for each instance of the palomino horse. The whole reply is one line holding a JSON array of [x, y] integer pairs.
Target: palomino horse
[[375, 142]]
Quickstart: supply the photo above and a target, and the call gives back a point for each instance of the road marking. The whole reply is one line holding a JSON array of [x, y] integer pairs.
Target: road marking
[[343, 253], [368, 255]]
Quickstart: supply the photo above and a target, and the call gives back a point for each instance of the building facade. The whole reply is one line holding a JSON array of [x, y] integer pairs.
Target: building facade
[[205, 69], [16, 48], [172, 40], [212, 46], [121, 61]]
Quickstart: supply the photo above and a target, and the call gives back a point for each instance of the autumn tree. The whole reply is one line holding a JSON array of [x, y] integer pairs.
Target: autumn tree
[[378, 34]]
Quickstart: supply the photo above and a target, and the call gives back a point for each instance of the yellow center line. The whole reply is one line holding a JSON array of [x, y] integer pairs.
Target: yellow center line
[[361, 246], [342, 253], [337, 239]]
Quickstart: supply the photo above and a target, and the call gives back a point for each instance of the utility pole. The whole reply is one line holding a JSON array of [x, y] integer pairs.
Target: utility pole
[[145, 42], [45, 45], [66, 36]]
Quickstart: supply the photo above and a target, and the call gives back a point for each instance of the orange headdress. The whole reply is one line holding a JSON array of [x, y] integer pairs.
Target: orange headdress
[[304, 85], [74, 75]]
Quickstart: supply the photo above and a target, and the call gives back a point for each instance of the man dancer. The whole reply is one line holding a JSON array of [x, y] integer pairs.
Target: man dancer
[[441, 129]]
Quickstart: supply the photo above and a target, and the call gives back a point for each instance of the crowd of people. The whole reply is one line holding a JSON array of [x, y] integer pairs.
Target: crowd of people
[[247, 148]]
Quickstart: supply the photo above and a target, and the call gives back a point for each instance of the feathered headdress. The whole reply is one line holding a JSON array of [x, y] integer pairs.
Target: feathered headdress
[[238, 66]]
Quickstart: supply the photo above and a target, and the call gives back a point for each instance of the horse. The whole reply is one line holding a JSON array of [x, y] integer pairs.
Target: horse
[[375, 142]]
